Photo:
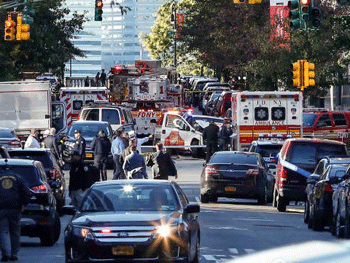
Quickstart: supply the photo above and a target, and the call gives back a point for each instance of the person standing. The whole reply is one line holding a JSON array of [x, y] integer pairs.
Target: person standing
[[117, 149], [101, 146], [162, 164], [210, 135], [14, 196], [76, 180], [32, 140], [97, 79], [87, 82], [103, 78], [224, 136], [51, 143], [134, 166]]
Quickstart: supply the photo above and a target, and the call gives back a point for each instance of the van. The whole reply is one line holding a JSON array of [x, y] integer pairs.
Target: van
[[116, 116], [223, 103], [298, 158]]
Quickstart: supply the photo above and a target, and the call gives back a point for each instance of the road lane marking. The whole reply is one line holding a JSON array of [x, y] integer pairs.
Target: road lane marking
[[248, 250], [233, 250], [209, 257]]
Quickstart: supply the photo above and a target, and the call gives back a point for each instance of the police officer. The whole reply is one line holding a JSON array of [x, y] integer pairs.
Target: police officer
[[14, 195], [210, 135], [224, 136], [101, 146], [51, 143]]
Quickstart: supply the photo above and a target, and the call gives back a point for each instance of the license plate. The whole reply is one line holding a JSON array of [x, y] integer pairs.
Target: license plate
[[230, 189], [88, 155], [123, 251]]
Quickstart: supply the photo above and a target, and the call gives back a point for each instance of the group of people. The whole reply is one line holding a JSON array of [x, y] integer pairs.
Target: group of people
[[216, 138]]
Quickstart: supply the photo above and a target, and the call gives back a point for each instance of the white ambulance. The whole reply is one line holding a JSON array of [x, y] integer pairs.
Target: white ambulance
[[78, 97], [266, 114]]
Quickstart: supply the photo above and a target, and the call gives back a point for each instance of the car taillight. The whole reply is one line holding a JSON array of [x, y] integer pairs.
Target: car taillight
[[40, 189], [252, 172], [15, 143], [78, 118], [281, 175], [122, 120], [210, 171], [327, 188], [53, 173]]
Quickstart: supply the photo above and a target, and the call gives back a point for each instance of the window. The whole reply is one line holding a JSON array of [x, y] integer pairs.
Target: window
[[235, 158], [170, 122], [319, 168], [303, 154], [77, 105], [339, 119], [324, 121], [93, 115], [111, 116], [278, 113], [261, 113]]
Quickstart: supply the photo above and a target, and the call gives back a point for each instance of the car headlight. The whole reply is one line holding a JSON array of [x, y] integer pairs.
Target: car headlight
[[167, 230], [83, 232]]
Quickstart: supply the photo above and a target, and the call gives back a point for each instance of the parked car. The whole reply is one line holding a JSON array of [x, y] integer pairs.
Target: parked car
[[315, 176], [40, 218], [54, 173], [237, 175], [320, 200], [223, 103], [9, 138], [325, 124], [133, 221], [340, 224], [117, 116], [209, 107], [210, 90], [298, 158], [89, 130]]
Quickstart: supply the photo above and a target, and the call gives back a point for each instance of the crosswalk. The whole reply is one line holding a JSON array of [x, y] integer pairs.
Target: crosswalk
[[222, 255]]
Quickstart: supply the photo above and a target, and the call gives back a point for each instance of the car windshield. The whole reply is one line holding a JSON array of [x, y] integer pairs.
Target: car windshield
[[268, 150], [208, 119], [130, 197], [309, 119], [43, 157], [337, 171], [6, 133], [88, 129], [235, 158]]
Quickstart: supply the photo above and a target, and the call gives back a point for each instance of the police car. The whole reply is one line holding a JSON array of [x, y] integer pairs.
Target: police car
[[268, 149]]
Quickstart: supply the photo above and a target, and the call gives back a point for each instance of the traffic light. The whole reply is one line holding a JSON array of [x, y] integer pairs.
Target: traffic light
[[22, 29], [315, 13], [98, 10], [309, 74], [10, 31], [304, 10], [294, 13], [297, 74]]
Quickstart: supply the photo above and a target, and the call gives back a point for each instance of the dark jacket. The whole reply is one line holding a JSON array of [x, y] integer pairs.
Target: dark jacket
[[210, 133], [79, 149], [224, 134], [162, 165], [101, 146], [51, 143], [133, 161], [14, 191]]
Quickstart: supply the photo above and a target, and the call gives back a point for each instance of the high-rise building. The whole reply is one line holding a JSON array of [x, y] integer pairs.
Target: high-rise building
[[115, 40]]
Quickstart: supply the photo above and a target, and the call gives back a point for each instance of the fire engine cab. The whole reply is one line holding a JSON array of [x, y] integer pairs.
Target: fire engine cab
[[266, 113]]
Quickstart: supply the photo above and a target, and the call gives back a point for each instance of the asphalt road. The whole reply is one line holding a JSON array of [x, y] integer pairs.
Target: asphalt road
[[230, 228]]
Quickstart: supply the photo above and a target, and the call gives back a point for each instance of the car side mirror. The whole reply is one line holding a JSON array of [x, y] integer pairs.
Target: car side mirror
[[313, 178], [69, 210], [192, 208]]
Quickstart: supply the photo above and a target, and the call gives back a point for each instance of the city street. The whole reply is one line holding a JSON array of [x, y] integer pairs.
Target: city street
[[229, 228]]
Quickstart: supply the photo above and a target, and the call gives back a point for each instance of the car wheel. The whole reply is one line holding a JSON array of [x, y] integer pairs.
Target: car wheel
[[274, 197], [195, 152], [347, 226], [204, 198], [281, 204], [197, 255], [47, 238], [57, 227], [332, 228], [339, 230], [306, 211], [213, 198], [262, 198], [317, 224]]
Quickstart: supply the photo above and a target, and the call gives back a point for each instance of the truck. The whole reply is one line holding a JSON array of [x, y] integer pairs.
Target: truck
[[258, 114], [174, 132], [27, 105], [75, 98]]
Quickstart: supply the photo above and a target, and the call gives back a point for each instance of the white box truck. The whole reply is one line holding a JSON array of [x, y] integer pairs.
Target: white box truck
[[26, 105]]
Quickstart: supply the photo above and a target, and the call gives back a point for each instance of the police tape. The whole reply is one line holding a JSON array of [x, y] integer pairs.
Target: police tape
[[294, 168], [174, 146]]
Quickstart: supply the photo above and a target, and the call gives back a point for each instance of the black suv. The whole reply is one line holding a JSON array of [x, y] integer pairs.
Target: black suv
[[40, 218], [53, 171]]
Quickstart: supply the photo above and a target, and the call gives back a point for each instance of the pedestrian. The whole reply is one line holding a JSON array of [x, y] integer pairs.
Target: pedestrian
[[162, 164], [32, 140], [224, 136], [124, 136], [14, 196], [45, 134], [117, 149], [97, 79], [87, 82], [76, 180], [128, 150], [134, 166], [101, 146], [51, 142], [103, 78], [139, 141], [210, 135]]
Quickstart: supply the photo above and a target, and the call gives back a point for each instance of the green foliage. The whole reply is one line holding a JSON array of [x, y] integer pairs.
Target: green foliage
[[49, 46]]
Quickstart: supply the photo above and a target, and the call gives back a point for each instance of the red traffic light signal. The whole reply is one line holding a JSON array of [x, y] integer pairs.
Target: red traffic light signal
[[10, 30]]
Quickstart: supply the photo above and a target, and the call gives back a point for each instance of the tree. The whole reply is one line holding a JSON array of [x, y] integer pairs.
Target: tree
[[49, 46]]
